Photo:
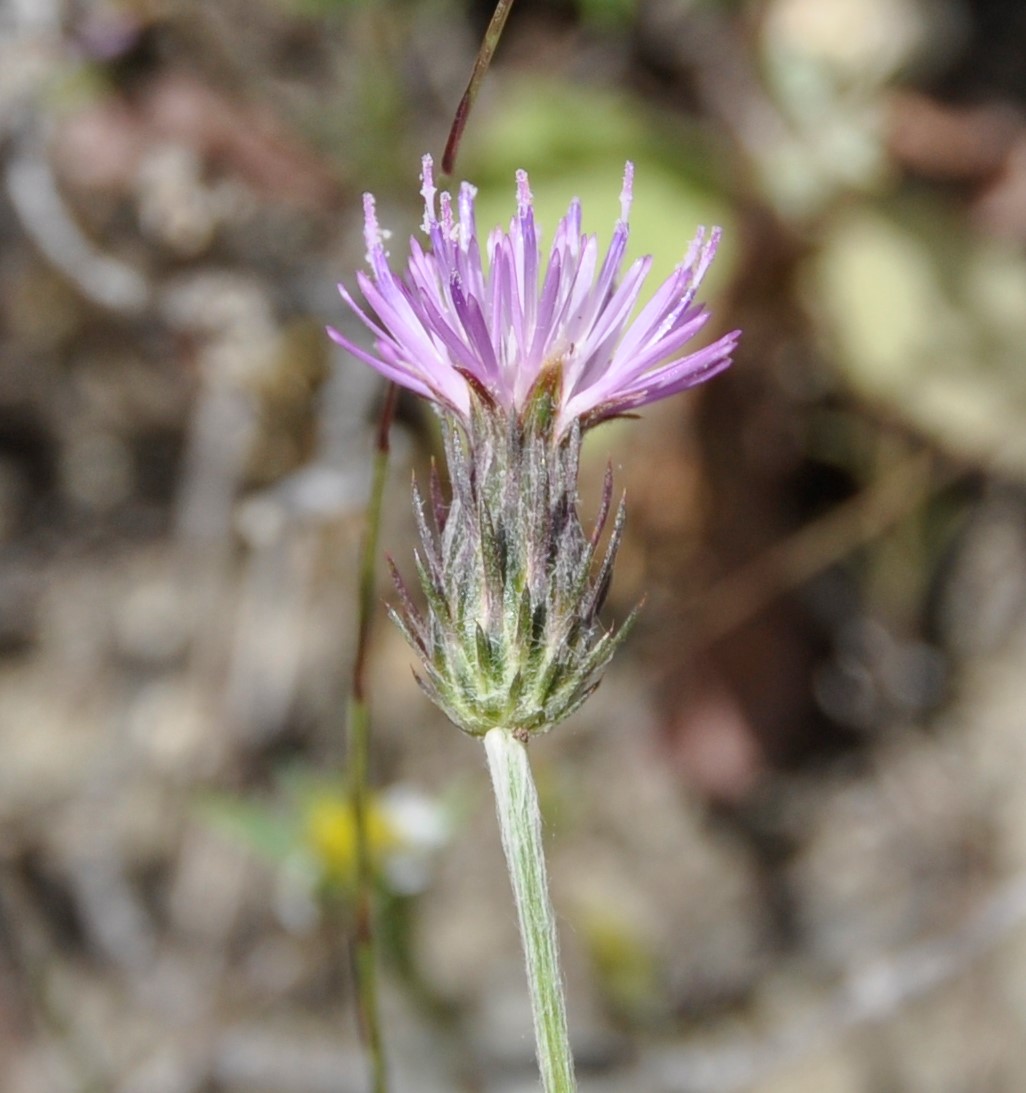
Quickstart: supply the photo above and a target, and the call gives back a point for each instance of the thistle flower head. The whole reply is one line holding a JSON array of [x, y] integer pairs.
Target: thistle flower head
[[456, 321], [519, 357]]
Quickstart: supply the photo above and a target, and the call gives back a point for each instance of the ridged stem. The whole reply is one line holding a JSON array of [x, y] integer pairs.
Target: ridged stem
[[516, 802]]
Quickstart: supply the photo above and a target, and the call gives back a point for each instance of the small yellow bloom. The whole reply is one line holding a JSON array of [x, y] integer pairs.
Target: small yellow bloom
[[330, 833]]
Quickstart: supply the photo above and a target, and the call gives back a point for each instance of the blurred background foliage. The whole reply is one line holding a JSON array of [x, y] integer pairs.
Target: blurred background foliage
[[787, 838]]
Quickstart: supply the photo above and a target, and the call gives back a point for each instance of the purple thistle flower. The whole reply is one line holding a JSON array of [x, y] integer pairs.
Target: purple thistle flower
[[452, 321]]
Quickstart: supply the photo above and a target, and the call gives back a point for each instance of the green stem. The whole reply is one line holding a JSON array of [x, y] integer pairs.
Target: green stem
[[364, 956], [520, 823]]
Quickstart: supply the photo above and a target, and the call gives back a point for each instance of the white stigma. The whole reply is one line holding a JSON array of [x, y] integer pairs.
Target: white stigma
[[428, 191], [466, 201], [371, 231], [627, 193], [524, 196]]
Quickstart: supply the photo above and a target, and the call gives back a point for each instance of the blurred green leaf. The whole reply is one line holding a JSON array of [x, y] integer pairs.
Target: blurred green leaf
[[574, 143], [315, 8], [607, 14], [930, 321], [262, 827], [624, 964]]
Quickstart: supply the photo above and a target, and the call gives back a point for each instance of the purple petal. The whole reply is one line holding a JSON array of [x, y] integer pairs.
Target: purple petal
[[450, 314]]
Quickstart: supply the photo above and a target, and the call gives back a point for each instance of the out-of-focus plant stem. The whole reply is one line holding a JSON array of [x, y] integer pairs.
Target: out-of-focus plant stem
[[516, 803], [484, 59], [364, 956]]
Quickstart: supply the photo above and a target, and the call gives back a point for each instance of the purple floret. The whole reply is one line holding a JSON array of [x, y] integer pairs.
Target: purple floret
[[454, 316]]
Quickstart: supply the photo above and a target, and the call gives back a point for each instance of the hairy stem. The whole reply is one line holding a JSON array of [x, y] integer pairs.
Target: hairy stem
[[520, 824]]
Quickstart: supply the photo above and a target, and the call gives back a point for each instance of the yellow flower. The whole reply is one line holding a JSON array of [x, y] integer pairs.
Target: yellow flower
[[330, 834]]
